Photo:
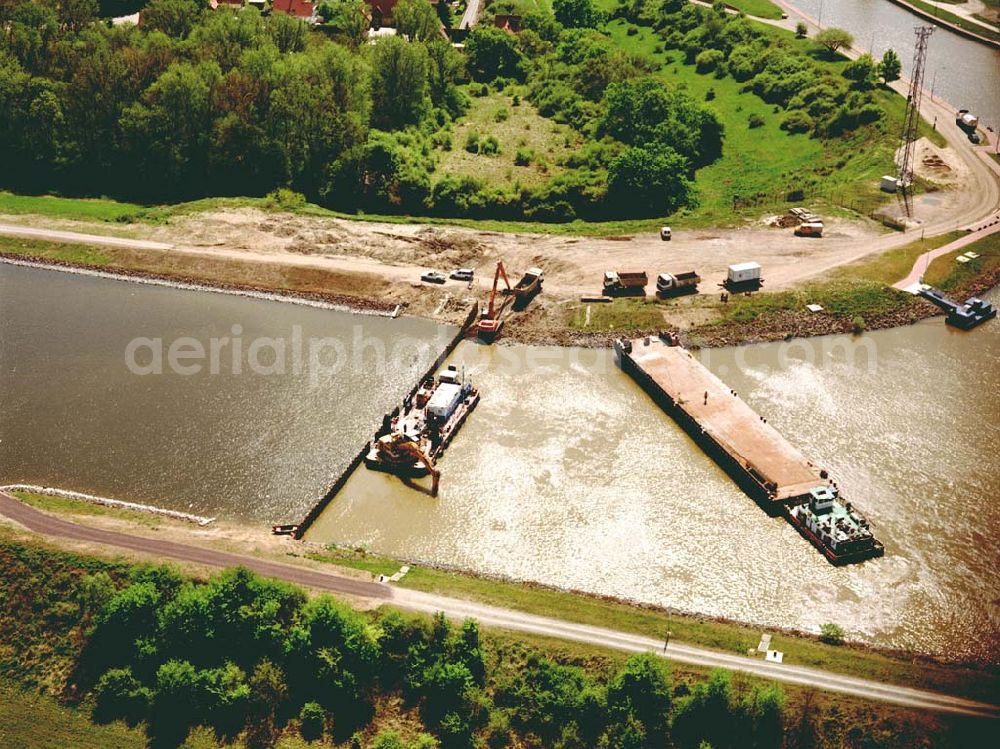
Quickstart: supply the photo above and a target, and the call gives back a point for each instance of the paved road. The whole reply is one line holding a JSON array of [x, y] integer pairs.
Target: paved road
[[492, 616], [471, 15]]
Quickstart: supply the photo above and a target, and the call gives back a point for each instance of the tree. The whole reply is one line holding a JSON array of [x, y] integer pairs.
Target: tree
[[801, 30], [831, 634], [834, 39], [576, 13], [312, 721], [708, 714], [268, 692], [863, 71], [119, 695], [444, 14], [287, 32], [890, 68], [349, 17], [416, 20], [173, 17], [641, 690], [491, 53], [173, 709], [75, 14], [399, 83]]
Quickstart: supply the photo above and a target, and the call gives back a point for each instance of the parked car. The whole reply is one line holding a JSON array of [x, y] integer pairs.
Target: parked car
[[975, 139], [463, 274], [665, 233], [432, 276]]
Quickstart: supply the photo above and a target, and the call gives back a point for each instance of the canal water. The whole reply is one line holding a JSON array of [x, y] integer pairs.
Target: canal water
[[963, 72], [258, 437], [566, 473]]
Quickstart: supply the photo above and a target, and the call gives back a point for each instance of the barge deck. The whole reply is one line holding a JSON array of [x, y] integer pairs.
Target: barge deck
[[761, 461]]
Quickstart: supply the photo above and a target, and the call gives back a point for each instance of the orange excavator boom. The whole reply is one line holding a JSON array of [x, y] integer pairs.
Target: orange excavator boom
[[500, 271]]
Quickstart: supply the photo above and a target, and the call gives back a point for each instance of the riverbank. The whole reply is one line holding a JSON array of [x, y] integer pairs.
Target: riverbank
[[855, 297], [976, 32], [977, 681]]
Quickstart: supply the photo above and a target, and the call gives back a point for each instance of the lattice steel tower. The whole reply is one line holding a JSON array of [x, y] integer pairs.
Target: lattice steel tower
[[911, 121]]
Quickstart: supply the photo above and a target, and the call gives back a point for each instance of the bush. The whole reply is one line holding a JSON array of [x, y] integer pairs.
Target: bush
[[284, 199], [797, 121], [708, 60], [710, 94], [119, 696], [312, 721], [472, 142], [489, 146], [833, 634], [501, 115], [523, 157], [801, 30], [755, 121], [632, 30]]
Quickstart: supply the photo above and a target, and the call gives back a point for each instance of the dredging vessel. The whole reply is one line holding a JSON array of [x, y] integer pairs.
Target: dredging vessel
[[414, 436]]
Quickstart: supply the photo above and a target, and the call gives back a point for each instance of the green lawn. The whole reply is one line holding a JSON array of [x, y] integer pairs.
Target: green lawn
[[721, 635], [760, 8], [621, 314], [947, 274], [87, 209]]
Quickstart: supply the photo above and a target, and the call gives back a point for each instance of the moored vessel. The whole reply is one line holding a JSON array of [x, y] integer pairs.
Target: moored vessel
[[834, 527], [414, 436]]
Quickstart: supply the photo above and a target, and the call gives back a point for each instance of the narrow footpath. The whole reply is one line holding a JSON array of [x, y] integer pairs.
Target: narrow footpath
[[492, 616]]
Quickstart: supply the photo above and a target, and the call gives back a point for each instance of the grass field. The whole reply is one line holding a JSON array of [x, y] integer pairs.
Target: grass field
[[760, 8], [947, 274], [89, 209], [515, 127]]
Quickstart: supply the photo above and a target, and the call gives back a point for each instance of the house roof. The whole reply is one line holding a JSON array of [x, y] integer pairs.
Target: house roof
[[297, 8]]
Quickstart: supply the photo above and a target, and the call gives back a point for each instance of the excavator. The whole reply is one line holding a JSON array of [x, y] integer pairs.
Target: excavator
[[489, 320], [397, 450]]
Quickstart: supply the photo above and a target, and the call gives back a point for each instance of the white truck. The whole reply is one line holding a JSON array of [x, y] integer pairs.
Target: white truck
[[743, 277], [675, 284], [809, 229]]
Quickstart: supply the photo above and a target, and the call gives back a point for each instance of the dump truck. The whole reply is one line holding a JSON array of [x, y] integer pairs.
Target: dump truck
[[529, 285], [966, 120], [809, 229], [625, 283], [675, 284], [743, 277]]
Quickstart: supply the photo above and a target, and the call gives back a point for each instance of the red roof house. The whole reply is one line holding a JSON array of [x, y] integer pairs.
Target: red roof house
[[298, 8]]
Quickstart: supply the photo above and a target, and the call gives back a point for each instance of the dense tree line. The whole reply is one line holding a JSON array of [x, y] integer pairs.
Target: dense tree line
[[199, 103], [246, 657]]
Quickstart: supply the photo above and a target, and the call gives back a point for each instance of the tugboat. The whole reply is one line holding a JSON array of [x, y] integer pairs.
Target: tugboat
[[834, 527], [966, 316], [414, 437]]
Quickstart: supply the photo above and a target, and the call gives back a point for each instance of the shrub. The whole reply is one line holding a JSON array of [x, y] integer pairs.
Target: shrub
[[119, 695], [797, 121], [523, 157], [708, 60], [489, 146], [312, 721], [284, 199], [501, 115], [833, 634], [755, 121], [472, 142], [801, 30], [632, 30], [710, 94]]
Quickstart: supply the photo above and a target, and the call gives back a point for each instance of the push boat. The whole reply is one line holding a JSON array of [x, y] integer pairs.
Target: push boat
[[834, 526], [414, 436]]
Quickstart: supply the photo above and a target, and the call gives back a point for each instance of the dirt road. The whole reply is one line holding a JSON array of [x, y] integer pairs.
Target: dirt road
[[49, 525]]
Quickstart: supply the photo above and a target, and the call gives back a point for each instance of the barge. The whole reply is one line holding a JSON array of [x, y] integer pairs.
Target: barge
[[966, 316], [414, 436], [757, 457]]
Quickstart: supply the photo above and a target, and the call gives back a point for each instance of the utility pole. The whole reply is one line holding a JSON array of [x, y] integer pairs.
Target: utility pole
[[911, 121]]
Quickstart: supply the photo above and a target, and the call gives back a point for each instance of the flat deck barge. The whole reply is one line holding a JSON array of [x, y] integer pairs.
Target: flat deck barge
[[751, 451]]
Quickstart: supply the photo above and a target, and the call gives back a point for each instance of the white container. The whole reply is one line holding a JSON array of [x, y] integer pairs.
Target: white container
[[743, 272]]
